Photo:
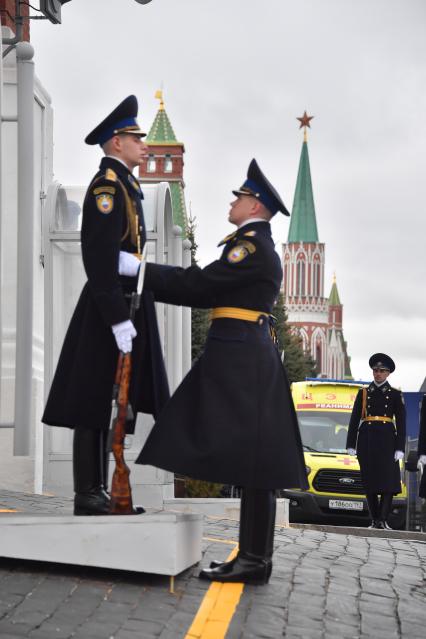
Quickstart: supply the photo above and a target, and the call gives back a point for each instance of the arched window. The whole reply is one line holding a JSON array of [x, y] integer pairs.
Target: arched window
[[318, 357], [317, 276], [286, 276], [168, 164], [301, 275], [151, 164]]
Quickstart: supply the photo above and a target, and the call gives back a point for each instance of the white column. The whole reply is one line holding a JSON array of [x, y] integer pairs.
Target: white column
[[24, 308]]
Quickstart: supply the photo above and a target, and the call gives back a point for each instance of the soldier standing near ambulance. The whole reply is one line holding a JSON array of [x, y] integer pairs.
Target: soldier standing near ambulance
[[232, 419], [422, 447], [377, 436], [112, 234]]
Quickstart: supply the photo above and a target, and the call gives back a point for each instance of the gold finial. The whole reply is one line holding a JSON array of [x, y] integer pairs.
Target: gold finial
[[159, 96], [334, 277], [305, 122]]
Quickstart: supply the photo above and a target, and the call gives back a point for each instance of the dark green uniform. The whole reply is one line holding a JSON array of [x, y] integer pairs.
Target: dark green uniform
[[377, 441], [232, 419], [80, 395], [422, 444]]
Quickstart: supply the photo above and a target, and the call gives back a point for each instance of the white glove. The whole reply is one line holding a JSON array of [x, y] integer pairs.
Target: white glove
[[124, 332], [422, 459], [398, 455], [351, 451], [128, 264]]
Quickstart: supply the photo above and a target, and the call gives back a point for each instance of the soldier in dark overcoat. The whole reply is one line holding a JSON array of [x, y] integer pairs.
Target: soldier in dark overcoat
[[377, 436], [422, 446], [232, 419], [113, 231]]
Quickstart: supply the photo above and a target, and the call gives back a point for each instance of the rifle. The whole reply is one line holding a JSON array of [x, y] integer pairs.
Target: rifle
[[121, 492]]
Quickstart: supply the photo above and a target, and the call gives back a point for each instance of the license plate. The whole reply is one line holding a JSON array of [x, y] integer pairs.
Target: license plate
[[345, 505]]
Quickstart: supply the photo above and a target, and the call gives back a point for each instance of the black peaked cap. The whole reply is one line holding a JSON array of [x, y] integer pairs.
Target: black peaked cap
[[121, 120], [258, 186]]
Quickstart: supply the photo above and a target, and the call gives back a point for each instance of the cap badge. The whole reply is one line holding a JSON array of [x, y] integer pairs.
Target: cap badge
[[105, 203]]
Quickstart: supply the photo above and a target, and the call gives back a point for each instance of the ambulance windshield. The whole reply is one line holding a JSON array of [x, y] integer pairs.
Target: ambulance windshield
[[324, 431]]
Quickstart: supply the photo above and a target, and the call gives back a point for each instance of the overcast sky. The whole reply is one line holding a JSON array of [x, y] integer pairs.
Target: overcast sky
[[236, 74]]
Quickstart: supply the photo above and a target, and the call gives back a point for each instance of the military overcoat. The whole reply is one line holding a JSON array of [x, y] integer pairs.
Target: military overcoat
[[80, 395], [376, 441], [422, 445], [232, 420]]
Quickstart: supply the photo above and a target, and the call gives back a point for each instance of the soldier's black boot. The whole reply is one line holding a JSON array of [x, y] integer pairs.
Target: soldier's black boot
[[253, 564], [90, 497], [385, 508], [373, 507], [227, 565]]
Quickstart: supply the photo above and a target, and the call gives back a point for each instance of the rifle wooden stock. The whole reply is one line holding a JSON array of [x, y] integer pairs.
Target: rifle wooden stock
[[121, 492]]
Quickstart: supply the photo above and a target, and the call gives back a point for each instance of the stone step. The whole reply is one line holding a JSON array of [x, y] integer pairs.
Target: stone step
[[159, 542]]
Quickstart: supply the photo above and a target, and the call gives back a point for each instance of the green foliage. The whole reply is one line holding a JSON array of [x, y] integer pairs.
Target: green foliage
[[199, 488], [199, 316], [297, 363]]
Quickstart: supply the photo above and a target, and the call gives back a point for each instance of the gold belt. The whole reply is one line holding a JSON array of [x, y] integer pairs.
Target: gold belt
[[375, 418], [237, 313]]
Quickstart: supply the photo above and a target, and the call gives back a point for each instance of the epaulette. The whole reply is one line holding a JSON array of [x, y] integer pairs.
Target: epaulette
[[111, 175], [250, 233], [227, 239]]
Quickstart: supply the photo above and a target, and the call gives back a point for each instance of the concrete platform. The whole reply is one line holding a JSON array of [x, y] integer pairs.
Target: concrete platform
[[406, 535], [221, 507], [160, 542]]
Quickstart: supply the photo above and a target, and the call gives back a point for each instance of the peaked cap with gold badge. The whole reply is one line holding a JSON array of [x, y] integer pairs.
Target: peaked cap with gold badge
[[258, 186], [382, 360], [121, 120]]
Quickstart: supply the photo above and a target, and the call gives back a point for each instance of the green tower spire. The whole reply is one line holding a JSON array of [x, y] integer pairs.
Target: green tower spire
[[303, 223], [161, 131], [334, 299]]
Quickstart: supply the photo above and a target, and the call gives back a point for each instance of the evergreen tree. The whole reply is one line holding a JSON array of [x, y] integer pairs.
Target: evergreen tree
[[297, 363], [199, 316]]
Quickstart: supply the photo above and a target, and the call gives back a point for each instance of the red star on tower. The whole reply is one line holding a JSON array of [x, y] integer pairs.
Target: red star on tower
[[305, 120]]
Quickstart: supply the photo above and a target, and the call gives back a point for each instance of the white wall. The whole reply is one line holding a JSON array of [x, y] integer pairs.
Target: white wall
[[21, 473]]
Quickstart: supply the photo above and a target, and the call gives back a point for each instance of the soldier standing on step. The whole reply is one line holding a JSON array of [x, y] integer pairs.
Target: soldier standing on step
[[112, 235]]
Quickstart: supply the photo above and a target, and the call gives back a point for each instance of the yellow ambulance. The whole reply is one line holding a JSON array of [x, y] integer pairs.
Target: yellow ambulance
[[336, 493]]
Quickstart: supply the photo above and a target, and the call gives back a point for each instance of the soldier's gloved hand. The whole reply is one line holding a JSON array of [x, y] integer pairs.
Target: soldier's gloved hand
[[128, 264], [422, 459], [124, 332], [351, 451], [398, 455]]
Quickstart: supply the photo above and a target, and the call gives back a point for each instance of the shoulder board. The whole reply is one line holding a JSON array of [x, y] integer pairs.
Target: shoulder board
[[250, 233], [111, 175], [104, 189]]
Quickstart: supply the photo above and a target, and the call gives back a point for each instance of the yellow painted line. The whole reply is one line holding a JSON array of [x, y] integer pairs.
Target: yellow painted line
[[221, 541], [8, 510], [217, 608]]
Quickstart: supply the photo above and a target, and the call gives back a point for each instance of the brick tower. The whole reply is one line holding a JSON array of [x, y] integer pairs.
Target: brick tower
[[165, 161], [317, 319]]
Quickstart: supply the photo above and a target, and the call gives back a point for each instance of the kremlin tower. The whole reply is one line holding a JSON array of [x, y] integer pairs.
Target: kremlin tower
[[315, 318]]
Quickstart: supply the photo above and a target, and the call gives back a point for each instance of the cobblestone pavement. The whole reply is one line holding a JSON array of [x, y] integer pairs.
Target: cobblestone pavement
[[324, 585]]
